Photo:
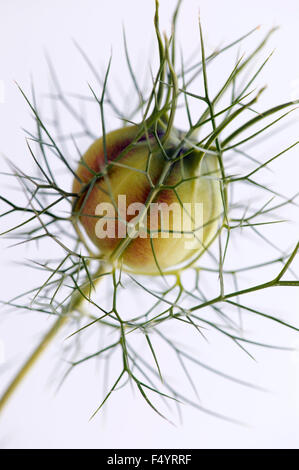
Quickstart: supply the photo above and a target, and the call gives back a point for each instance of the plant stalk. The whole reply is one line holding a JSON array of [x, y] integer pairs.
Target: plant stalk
[[75, 302]]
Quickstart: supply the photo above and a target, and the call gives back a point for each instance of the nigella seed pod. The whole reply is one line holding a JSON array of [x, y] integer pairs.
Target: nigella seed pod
[[143, 208]]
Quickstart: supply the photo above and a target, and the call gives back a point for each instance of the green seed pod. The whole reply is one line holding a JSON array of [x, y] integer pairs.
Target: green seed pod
[[175, 205]]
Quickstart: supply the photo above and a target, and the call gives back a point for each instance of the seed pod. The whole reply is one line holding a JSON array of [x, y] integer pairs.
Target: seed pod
[[139, 207]]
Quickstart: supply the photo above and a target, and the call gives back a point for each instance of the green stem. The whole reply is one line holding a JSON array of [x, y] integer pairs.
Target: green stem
[[21, 374], [75, 302]]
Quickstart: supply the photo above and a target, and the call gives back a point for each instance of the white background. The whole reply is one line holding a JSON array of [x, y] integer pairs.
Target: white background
[[36, 417]]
